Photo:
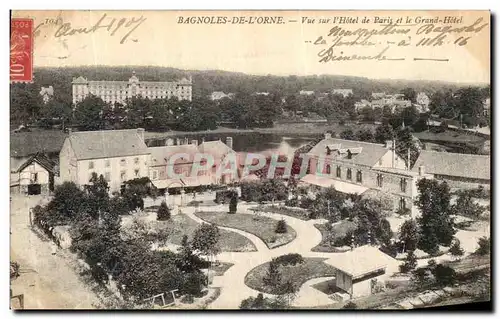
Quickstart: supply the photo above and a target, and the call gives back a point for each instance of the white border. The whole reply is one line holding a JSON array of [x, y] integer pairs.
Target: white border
[[186, 4]]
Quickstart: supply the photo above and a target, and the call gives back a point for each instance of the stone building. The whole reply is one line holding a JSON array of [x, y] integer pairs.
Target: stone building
[[119, 91], [36, 175]]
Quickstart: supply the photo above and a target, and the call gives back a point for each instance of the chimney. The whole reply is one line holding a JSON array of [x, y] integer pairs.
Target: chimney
[[194, 142], [140, 131], [421, 170], [328, 135], [229, 142]]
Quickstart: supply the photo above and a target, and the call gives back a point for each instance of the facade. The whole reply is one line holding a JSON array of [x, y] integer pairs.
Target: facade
[[358, 271], [47, 93], [118, 91], [343, 92], [163, 162], [302, 92], [36, 175], [458, 170], [118, 155], [355, 167], [218, 95]]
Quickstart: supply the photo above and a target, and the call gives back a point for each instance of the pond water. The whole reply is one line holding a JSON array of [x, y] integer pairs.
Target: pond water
[[252, 142]]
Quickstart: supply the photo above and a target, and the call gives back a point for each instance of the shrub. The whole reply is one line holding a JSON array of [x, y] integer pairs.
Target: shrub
[[445, 276], [223, 196], [409, 264], [289, 259], [193, 283], [233, 204], [273, 275], [456, 250], [350, 305], [163, 212], [281, 227], [484, 246]]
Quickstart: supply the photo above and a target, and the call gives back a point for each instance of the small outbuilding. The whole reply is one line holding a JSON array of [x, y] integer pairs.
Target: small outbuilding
[[36, 175], [358, 269]]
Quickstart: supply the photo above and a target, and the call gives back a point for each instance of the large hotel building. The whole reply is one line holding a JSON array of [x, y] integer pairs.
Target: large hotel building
[[119, 91]]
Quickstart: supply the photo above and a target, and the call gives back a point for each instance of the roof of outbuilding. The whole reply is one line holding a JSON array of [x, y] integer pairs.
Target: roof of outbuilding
[[104, 144], [161, 154], [23, 144], [369, 153], [454, 164], [40, 159]]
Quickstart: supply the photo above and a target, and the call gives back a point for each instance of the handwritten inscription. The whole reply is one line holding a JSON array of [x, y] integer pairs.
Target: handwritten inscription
[[111, 25], [419, 32]]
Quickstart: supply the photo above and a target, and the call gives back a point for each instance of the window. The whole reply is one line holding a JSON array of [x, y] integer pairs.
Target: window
[[91, 165], [34, 177], [328, 151], [107, 176], [123, 175], [402, 203], [154, 175], [136, 173], [328, 169], [403, 183], [136, 160], [123, 162], [339, 172], [380, 180], [349, 174], [359, 177]]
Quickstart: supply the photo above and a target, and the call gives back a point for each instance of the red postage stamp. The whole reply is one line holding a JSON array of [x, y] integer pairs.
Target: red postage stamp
[[21, 50]]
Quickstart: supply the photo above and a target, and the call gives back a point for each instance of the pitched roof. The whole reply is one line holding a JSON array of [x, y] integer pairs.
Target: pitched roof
[[40, 159], [161, 154], [215, 148], [24, 144], [454, 164], [369, 153], [360, 261], [103, 144]]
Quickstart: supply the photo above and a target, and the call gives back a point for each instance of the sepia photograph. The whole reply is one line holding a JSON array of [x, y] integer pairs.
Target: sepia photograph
[[250, 160]]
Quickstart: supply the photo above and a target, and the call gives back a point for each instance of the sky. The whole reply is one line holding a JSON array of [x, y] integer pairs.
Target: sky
[[278, 49]]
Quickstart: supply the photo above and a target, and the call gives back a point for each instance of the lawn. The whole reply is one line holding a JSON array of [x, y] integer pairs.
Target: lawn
[[328, 236], [298, 274], [220, 268], [284, 210], [181, 224], [260, 226]]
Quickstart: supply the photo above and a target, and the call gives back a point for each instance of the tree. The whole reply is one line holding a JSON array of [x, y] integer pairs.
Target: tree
[[365, 135], [466, 206], [408, 234], [25, 102], [484, 246], [163, 212], [98, 190], [273, 275], [281, 227], [410, 262], [445, 275], [436, 226], [233, 204], [350, 305], [384, 133], [421, 277], [347, 135], [186, 260], [206, 239], [88, 113], [367, 114], [385, 233], [410, 94], [456, 250]]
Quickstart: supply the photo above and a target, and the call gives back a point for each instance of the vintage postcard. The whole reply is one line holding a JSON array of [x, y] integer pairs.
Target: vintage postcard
[[250, 159]]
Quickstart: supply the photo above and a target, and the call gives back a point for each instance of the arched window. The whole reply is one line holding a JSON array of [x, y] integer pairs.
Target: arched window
[[402, 203], [339, 172], [349, 174]]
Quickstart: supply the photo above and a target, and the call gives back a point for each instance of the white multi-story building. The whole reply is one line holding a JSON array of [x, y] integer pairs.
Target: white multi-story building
[[119, 91], [119, 156]]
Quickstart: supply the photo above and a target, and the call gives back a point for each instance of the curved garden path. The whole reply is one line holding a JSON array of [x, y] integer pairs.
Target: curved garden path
[[234, 289]]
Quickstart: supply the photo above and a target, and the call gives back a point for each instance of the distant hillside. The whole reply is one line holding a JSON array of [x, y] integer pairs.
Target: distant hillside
[[206, 82]]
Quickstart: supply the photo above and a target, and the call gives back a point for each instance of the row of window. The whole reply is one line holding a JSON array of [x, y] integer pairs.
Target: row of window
[[123, 175], [107, 163], [403, 183]]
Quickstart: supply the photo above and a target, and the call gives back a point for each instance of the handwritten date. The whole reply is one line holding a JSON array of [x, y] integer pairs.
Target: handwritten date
[[111, 25]]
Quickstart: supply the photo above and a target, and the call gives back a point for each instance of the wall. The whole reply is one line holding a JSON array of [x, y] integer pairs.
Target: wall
[[361, 289], [114, 169], [26, 174], [68, 170], [390, 184], [343, 281]]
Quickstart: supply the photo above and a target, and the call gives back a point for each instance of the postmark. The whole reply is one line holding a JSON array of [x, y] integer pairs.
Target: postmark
[[21, 50]]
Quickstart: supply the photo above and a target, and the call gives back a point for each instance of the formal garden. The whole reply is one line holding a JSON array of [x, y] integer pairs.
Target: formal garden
[[287, 273]]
